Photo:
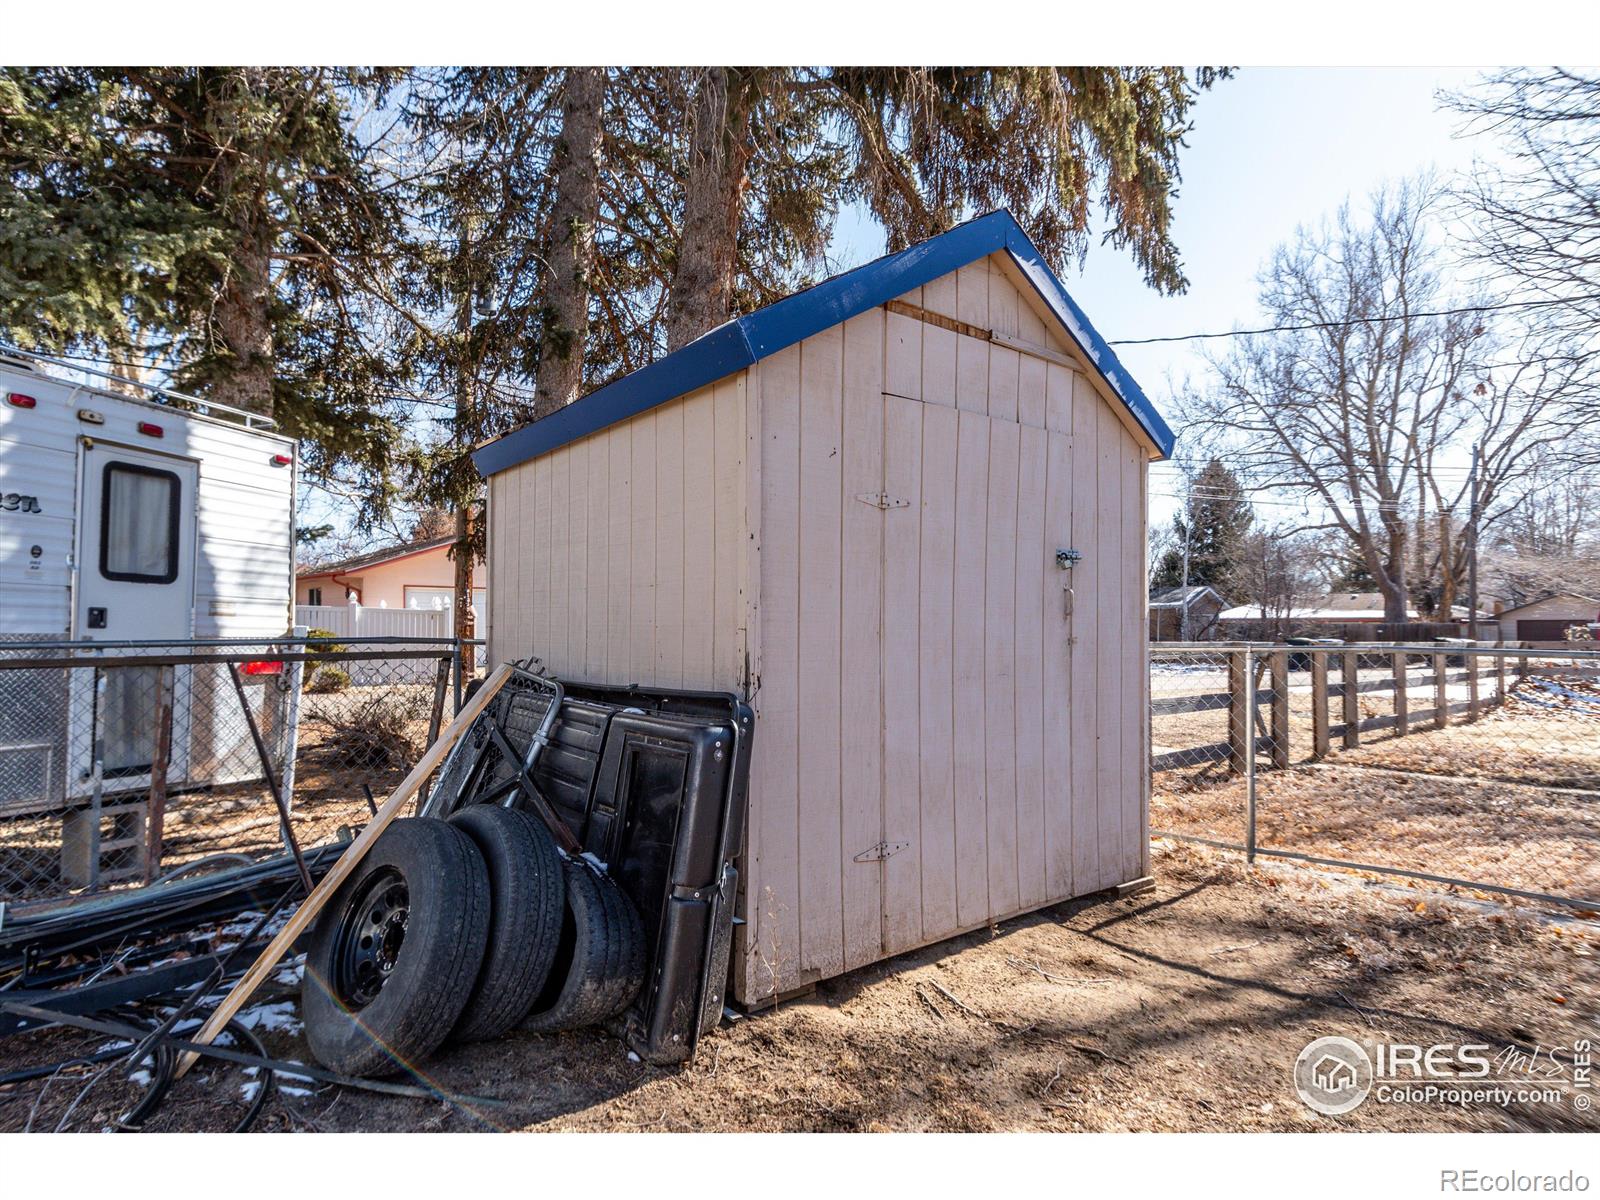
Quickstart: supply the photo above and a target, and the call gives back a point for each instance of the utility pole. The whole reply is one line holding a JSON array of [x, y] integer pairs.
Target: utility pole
[[1188, 537], [1472, 548]]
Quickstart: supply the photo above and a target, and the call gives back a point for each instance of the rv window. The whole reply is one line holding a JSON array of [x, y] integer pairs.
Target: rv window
[[139, 524]]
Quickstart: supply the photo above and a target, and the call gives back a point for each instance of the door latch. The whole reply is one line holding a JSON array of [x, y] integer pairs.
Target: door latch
[[97, 618]]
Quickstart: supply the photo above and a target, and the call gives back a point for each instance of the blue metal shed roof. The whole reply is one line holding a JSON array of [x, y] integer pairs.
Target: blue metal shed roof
[[739, 343]]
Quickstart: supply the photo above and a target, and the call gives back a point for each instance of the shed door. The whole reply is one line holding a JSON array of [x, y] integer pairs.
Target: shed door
[[975, 667]]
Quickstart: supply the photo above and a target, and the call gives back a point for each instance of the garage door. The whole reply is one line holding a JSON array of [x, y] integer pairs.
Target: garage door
[[1544, 631]]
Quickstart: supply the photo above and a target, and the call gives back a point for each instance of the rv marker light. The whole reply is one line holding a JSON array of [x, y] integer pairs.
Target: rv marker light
[[281, 460], [151, 429], [89, 417], [18, 400]]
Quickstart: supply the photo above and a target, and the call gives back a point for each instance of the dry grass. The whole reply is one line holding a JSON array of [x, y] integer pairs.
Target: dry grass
[[1180, 1009]]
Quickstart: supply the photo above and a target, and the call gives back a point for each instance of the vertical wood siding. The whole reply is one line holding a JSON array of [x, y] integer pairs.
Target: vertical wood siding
[[618, 558], [927, 682]]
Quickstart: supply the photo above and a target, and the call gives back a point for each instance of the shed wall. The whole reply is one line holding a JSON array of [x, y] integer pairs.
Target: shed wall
[[619, 558], [922, 688]]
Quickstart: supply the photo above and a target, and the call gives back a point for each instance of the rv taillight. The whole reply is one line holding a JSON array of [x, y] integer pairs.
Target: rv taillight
[[282, 460], [151, 429], [18, 400], [263, 668]]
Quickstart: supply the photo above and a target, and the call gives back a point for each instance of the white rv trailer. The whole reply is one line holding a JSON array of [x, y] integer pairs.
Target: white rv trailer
[[129, 517]]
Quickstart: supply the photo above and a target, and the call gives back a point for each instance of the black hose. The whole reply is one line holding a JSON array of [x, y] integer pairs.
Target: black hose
[[166, 1065]]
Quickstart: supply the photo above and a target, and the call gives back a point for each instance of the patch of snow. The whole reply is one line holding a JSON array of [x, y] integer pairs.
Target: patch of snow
[[140, 1078], [249, 1090], [289, 1090], [279, 1017]]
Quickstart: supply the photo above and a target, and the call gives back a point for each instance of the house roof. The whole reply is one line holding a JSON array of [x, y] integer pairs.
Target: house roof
[[1591, 602], [373, 558], [1179, 596], [745, 340]]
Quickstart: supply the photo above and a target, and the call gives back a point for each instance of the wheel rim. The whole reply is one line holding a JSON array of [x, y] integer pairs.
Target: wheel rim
[[370, 936]]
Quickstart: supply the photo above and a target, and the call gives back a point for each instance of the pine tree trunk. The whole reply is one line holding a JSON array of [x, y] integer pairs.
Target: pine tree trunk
[[577, 201], [243, 314], [701, 294]]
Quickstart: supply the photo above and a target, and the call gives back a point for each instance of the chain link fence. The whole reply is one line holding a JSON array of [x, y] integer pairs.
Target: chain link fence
[[129, 763], [1472, 767]]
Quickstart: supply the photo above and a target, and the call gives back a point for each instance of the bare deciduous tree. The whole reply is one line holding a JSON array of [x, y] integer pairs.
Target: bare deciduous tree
[[1370, 398]]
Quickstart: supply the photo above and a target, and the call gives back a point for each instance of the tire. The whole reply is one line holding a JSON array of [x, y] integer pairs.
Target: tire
[[600, 967], [378, 1007], [527, 895]]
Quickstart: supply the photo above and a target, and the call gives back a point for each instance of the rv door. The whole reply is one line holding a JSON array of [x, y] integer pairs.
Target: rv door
[[135, 560]]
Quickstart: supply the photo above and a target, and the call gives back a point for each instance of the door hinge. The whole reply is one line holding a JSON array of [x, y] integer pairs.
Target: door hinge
[[880, 852], [882, 500]]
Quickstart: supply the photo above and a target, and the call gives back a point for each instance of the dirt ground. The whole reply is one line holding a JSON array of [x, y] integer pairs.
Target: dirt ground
[[1182, 1008]]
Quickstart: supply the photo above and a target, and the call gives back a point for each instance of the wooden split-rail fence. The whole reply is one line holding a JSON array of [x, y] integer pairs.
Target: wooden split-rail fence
[[1258, 678]]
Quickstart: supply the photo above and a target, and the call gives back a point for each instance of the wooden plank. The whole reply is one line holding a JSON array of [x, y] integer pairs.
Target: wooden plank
[[578, 482], [1005, 368], [1350, 698], [537, 565], [820, 587], [669, 607], [1143, 636], [936, 635], [861, 711], [1067, 405], [704, 571], [1000, 615], [313, 904], [1036, 612], [640, 651], [1238, 714], [1111, 769], [939, 296], [1473, 704], [1134, 648], [1441, 703], [1319, 706], [1076, 530], [972, 375], [730, 527], [902, 718], [972, 294], [1279, 665], [1401, 699], [902, 357], [597, 575], [776, 877], [1004, 304], [939, 366], [971, 796], [619, 566], [557, 649], [1031, 389]]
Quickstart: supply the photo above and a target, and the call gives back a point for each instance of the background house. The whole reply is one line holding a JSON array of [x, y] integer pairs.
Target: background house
[[1185, 614], [416, 576], [1548, 618]]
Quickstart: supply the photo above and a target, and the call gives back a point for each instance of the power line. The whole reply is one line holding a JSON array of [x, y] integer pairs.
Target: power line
[[1442, 312]]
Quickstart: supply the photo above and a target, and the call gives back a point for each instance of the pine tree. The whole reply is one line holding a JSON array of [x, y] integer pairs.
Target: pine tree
[[1210, 537], [215, 223]]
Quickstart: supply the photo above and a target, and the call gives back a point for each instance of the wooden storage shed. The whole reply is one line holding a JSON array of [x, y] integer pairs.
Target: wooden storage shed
[[903, 514]]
